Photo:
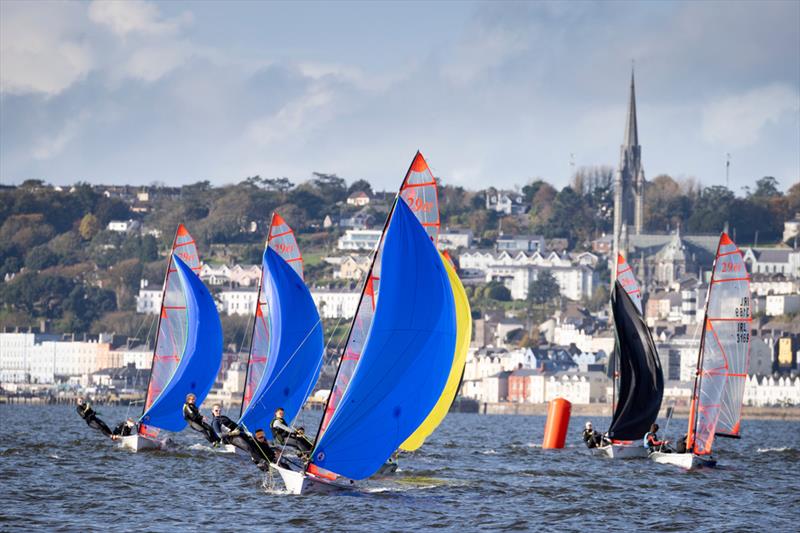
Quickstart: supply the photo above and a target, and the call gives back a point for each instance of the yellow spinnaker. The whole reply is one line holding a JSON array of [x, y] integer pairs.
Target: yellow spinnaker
[[464, 334]]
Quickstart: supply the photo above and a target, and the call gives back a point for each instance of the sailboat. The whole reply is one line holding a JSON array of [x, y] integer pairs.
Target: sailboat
[[398, 357], [718, 393], [641, 383], [419, 191], [188, 350], [287, 343]]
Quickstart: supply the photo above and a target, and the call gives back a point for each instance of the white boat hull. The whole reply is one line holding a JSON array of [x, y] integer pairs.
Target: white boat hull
[[138, 443], [687, 461], [622, 451], [298, 482]]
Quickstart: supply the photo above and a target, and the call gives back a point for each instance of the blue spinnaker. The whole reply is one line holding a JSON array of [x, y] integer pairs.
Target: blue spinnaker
[[295, 345], [406, 360], [201, 357]]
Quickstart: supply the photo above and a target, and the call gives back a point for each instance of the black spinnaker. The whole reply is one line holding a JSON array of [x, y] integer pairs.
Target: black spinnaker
[[641, 381]]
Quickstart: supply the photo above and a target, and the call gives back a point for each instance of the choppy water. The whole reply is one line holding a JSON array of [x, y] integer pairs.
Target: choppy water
[[475, 472]]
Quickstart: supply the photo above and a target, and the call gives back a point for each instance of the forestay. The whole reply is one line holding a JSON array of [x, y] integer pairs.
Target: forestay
[[419, 191], [172, 323], [406, 360], [724, 351], [200, 357]]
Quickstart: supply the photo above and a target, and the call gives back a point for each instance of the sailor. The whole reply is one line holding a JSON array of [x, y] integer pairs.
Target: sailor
[[124, 429], [197, 421], [681, 446], [652, 443], [285, 435], [221, 424], [86, 412], [592, 438], [261, 452]]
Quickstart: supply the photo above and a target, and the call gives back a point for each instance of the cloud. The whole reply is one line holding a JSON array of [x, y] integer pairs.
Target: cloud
[[135, 16], [296, 119], [41, 50], [737, 121], [52, 145], [150, 63]]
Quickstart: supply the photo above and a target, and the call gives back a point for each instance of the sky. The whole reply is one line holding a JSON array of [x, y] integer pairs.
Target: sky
[[492, 93]]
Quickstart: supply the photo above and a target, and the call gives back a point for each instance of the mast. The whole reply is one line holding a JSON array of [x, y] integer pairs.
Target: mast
[[255, 319], [698, 377], [160, 315]]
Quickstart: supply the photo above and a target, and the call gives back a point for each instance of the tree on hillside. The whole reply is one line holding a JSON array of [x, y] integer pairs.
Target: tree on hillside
[[89, 227], [360, 185], [40, 257], [281, 185], [331, 187], [711, 210], [544, 288], [495, 290]]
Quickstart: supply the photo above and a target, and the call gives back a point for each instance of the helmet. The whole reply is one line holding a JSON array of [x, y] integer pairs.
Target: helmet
[[588, 425]]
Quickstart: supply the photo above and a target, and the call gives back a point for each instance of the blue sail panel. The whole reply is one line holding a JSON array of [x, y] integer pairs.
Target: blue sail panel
[[295, 349], [406, 360], [201, 358]]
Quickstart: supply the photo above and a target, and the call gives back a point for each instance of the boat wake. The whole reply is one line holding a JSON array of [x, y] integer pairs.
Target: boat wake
[[775, 450]]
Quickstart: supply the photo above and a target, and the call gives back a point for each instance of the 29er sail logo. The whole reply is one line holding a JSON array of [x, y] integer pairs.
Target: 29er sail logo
[[416, 203]]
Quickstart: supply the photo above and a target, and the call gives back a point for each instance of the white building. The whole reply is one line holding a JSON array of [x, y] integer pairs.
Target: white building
[[141, 356], [782, 304], [34, 358], [574, 283], [148, 301], [359, 239], [773, 261], [241, 301], [123, 226], [577, 387], [358, 198], [454, 240], [506, 202], [483, 260], [765, 285], [771, 391], [241, 275], [335, 303]]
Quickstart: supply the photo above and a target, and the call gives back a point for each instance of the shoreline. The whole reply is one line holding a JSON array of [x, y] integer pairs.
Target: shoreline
[[600, 409]]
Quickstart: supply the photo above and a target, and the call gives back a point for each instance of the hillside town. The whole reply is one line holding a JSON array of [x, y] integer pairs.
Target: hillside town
[[80, 298]]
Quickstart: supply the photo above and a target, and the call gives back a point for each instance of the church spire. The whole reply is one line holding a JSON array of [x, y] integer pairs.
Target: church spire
[[631, 131]]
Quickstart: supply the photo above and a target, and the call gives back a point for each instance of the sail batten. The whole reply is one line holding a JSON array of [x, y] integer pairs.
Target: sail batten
[[724, 351]]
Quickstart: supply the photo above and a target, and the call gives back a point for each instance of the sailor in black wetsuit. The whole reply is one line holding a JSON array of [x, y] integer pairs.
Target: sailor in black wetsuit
[[230, 433], [86, 412], [197, 421], [287, 436], [262, 454], [125, 428], [592, 438]]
